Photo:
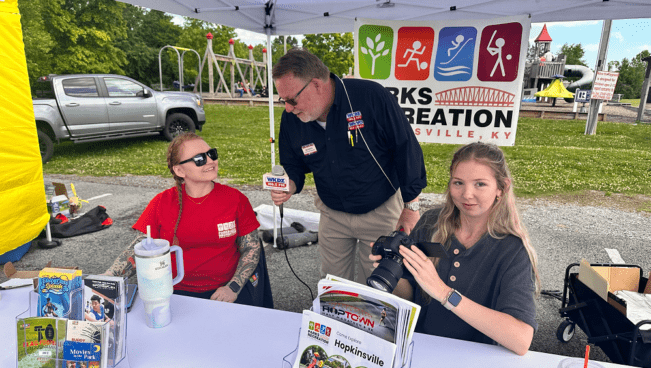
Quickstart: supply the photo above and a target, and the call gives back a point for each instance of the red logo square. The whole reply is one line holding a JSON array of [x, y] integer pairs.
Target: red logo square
[[414, 53]]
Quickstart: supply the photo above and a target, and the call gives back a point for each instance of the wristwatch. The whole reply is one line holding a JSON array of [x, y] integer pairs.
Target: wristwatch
[[452, 300], [414, 206], [234, 286]]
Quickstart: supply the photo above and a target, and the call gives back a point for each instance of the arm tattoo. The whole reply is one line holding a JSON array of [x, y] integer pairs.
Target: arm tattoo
[[125, 264], [249, 248]]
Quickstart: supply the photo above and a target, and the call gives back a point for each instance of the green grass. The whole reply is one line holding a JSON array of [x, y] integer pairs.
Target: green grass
[[549, 157], [635, 102]]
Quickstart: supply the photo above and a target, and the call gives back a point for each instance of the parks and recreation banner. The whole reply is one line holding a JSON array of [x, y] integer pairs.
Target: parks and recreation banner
[[457, 81]]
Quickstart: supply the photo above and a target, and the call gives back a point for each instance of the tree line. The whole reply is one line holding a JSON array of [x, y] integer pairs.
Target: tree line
[[107, 36]]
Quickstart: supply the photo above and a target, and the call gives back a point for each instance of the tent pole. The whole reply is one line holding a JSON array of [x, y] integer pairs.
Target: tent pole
[[272, 131], [593, 112]]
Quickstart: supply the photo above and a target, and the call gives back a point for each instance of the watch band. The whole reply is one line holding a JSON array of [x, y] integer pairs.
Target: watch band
[[234, 287]]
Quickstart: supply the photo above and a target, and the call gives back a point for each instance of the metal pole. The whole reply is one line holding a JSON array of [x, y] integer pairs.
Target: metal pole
[[272, 128], [645, 89], [593, 112]]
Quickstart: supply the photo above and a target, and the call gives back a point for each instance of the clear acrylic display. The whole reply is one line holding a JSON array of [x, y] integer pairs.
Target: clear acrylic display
[[53, 356]]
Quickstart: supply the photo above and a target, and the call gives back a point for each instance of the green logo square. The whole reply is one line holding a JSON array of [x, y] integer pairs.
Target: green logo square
[[374, 52]]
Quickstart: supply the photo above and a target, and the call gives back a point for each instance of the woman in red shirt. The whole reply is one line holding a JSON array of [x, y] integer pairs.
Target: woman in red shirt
[[214, 225]]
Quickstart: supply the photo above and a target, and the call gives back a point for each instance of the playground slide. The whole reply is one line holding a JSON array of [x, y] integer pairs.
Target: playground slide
[[586, 74]]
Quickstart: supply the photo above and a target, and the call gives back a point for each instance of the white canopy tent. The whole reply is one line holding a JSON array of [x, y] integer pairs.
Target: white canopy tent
[[297, 17]]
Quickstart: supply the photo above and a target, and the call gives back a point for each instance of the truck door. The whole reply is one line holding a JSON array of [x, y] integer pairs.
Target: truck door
[[128, 108], [83, 109]]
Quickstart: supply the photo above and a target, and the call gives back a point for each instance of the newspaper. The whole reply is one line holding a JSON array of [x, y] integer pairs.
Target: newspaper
[[325, 342], [378, 313]]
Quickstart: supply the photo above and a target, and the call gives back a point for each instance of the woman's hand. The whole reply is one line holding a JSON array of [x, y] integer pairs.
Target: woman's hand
[[224, 294], [424, 272]]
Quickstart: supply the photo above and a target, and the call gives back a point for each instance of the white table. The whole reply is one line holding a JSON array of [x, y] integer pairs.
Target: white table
[[205, 333]]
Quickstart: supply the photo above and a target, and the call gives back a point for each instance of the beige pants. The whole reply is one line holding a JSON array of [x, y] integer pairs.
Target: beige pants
[[340, 233]]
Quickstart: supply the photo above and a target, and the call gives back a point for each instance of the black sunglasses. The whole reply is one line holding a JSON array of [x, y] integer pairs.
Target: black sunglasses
[[202, 158], [292, 101]]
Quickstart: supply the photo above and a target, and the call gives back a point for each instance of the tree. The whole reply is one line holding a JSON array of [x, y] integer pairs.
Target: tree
[[85, 35], [631, 75], [573, 54], [278, 46], [37, 40], [334, 49]]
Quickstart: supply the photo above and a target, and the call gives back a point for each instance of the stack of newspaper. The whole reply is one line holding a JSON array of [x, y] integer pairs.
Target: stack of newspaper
[[357, 324]]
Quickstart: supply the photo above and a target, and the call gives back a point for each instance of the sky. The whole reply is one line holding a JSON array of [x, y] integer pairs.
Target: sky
[[628, 37]]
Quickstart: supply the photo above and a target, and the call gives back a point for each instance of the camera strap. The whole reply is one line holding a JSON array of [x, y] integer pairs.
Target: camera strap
[[433, 249]]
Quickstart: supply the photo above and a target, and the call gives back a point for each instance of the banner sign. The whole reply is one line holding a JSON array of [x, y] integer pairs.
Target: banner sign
[[604, 85], [458, 81]]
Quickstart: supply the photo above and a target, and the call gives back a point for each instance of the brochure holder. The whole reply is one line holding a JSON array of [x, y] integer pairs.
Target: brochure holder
[[289, 359], [54, 355]]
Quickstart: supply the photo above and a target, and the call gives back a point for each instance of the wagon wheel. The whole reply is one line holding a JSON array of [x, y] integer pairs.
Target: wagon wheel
[[565, 331]]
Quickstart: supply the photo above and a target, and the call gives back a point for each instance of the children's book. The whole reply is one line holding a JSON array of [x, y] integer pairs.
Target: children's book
[[105, 301], [60, 293], [40, 341]]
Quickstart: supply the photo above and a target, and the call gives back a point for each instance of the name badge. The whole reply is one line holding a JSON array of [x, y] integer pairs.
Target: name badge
[[354, 120], [308, 149]]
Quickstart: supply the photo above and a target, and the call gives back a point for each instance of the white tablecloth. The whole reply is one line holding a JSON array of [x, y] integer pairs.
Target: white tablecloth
[[205, 333]]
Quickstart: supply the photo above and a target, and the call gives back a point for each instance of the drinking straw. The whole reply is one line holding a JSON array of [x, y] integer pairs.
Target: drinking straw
[[149, 232], [587, 356]]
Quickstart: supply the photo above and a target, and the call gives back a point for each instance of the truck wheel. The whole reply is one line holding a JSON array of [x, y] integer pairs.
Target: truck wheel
[[46, 146], [176, 124]]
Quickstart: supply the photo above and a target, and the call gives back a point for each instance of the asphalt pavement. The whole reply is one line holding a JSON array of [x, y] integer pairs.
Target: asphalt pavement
[[562, 234]]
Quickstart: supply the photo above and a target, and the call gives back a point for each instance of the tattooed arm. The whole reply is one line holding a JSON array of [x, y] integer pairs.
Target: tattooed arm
[[249, 248], [125, 264]]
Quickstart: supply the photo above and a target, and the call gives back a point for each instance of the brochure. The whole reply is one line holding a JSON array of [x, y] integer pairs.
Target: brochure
[[325, 342]]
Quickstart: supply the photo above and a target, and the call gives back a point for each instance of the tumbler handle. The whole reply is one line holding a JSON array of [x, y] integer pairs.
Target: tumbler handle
[[179, 264]]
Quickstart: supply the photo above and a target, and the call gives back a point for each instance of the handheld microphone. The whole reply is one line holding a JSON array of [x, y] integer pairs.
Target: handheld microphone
[[277, 179]]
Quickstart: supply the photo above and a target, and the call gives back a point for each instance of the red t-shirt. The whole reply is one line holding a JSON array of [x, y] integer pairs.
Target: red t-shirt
[[206, 233]]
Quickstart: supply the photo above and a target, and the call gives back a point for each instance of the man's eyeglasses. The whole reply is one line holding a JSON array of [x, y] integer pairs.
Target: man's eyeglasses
[[292, 101], [202, 158]]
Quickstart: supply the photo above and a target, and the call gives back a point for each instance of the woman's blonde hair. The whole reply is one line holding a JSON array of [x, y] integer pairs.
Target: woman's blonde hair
[[503, 219], [173, 159]]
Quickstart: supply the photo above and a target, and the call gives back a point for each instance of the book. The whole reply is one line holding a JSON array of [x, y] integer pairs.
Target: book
[[60, 293], [326, 342], [39, 341], [77, 354], [105, 301], [90, 332]]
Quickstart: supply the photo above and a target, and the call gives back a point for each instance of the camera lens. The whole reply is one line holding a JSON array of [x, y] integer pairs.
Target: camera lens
[[385, 277]]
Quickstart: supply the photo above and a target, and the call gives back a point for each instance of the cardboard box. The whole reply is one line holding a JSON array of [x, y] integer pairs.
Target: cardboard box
[[605, 281]]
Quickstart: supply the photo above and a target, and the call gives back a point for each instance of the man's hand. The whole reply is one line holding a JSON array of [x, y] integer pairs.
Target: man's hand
[[224, 294], [279, 197], [408, 220]]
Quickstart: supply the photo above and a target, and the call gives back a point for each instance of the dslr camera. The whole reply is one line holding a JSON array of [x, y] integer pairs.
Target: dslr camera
[[391, 268]]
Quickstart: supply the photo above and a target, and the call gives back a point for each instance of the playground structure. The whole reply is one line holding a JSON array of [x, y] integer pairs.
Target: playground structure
[[255, 72], [541, 70]]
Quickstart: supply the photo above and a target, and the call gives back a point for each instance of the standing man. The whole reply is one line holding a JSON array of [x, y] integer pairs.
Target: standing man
[[367, 164]]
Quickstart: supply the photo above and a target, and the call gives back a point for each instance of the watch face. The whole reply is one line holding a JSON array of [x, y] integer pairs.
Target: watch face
[[454, 298], [234, 286]]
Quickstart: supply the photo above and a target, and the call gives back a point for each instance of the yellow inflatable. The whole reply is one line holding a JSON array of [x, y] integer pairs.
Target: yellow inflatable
[[23, 210]]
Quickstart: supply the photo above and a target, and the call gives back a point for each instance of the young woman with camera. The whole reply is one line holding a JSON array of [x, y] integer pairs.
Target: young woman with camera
[[484, 290]]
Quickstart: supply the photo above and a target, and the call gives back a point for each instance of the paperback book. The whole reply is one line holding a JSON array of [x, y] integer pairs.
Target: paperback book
[[104, 301]]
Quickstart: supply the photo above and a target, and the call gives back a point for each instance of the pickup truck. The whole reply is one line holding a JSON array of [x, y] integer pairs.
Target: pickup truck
[[96, 107]]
